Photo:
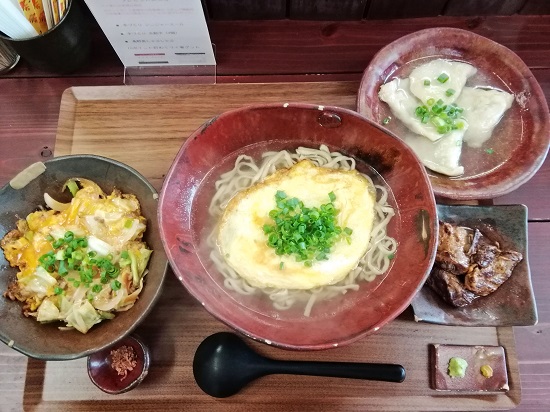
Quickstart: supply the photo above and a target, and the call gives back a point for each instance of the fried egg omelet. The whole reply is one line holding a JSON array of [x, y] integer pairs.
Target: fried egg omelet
[[243, 243]]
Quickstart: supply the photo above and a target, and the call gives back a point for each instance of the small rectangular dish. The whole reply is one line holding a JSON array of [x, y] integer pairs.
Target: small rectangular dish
[[513, 303]]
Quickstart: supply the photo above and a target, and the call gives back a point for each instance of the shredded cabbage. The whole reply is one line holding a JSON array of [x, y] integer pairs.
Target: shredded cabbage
[[84, 261]]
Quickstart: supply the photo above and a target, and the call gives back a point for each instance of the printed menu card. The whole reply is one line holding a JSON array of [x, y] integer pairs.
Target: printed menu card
[[155, 32]]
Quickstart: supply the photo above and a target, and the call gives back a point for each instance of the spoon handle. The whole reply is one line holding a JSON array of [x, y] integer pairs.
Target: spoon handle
[[386, 372]]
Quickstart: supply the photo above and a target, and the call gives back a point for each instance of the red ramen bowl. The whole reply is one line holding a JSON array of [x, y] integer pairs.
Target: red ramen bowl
[[185, 222]]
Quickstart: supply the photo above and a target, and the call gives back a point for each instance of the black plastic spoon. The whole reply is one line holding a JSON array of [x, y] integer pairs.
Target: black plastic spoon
[[224, 364]]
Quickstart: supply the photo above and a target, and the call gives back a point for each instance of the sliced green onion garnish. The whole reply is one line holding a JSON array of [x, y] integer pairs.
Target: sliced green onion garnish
[[444, 117], [73, 187], [58, 243], [427, 82], [57, 290], [386, 120], [62, 270], [442, 78], [97, 288], [302, 232], [430, 101], [115, 285], [449, 92]]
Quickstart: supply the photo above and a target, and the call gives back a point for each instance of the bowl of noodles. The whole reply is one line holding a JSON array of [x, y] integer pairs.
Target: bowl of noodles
[[81, 260], [305, 227]]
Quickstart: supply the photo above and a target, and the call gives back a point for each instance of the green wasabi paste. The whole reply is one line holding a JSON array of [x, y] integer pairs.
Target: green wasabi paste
[[457, 367]]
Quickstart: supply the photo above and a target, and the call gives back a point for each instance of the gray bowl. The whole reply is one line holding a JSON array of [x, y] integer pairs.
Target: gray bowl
[[46, 341]]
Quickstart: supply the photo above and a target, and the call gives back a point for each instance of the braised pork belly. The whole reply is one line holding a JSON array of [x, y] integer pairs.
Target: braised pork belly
[[469, 265]]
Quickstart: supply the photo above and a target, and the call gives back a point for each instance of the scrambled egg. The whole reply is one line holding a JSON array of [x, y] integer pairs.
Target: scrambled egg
[[63, 280], [242, 241]]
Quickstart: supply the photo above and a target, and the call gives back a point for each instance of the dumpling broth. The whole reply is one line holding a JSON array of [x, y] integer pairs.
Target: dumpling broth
[[495, 151]]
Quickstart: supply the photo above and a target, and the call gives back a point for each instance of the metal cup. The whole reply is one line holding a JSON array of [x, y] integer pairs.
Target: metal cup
[[8, 57], [63, 49]]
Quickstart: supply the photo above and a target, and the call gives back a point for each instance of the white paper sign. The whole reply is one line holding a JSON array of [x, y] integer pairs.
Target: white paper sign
[[155, 32]]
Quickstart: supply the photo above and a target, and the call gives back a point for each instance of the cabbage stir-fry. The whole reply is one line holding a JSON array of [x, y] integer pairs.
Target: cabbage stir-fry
[[79, 262]]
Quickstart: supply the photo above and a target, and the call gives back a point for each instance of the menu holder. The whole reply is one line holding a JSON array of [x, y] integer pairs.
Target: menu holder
[[165, 41]]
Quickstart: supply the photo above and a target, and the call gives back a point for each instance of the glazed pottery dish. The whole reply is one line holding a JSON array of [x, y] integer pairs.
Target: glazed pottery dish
[[121, 367], [241, 198], [88, 264], [469, 107], [513, 303]]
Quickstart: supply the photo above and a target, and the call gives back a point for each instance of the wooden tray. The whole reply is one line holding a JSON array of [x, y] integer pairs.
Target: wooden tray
[[144, 126]]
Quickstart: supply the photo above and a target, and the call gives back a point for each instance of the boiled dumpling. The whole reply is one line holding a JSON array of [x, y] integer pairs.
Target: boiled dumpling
[[424, 83], [403, 105], [442, 156], [483, 109]]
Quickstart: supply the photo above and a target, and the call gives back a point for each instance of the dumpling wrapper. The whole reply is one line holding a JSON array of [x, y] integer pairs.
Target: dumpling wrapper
[[458, 73], [483, 110], [442, 156], [403, 105]]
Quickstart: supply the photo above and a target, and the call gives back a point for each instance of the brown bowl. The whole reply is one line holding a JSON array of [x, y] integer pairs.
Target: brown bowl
[[46, 341], [212, 150]]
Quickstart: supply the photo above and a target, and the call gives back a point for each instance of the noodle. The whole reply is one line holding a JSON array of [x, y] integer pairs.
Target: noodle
[[246, 173]]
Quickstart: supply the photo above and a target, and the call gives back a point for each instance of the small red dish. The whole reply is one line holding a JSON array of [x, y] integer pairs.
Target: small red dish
[[104, 375]]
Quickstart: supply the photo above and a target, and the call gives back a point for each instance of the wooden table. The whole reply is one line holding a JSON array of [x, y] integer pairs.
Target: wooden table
[[291, 51]]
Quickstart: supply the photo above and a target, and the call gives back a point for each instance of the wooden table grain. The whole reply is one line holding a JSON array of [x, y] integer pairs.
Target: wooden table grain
[[282, 51]]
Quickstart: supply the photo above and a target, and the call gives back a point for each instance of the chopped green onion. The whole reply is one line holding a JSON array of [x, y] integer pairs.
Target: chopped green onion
[[115, 285], [302, 232], [128, 224], [489, 151], [68, 236], [58, 243], [427, 82], [57, 290], [443, 117], [73, 187], [449, 92], [386, 120], [97, 288], [442, 78], [62, 270]]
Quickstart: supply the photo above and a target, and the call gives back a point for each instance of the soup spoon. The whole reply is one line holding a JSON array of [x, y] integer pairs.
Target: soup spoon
[[224, 364]]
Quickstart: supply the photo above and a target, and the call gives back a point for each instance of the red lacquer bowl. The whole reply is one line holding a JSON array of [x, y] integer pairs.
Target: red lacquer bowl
[[184, 221]]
